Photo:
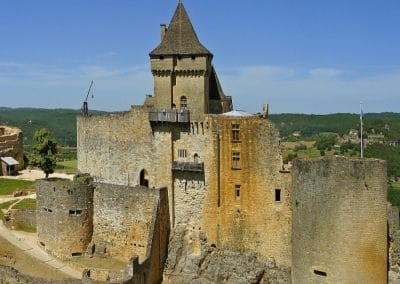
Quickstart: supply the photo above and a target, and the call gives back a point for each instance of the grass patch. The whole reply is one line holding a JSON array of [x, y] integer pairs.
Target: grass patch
[[25, 204], [7, 204], [8, 186], [394, 193], [67, 167], [20, 226]]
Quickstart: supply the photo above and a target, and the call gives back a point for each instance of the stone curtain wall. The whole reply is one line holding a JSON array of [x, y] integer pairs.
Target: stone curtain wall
[[394, 243], [339, 221], [114, 148], [123, 220], [64, 213], [11, 145]]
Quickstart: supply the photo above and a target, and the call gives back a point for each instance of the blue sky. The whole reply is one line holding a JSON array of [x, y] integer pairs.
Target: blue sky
[[309, 56]]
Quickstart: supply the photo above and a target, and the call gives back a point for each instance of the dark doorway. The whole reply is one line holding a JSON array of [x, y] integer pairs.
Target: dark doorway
[[144, 181]]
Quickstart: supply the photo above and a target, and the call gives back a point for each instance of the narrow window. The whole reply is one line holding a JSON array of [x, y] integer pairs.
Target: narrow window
[[143, 178], [237, 191], [193, 57], [182, 153], [196, 158], [277, 194], [236, 160], [235, 132], [320, 273], [183, 102], [76, 254]]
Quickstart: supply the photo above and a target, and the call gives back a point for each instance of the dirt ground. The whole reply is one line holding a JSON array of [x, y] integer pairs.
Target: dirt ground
[[36, 174], [24, 263]]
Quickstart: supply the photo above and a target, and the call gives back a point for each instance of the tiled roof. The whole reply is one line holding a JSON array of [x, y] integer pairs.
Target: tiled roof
[[180, 37], [9, 161]]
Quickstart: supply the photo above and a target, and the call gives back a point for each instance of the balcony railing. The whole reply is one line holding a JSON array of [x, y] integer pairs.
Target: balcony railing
[[188, 166], [169, 115]]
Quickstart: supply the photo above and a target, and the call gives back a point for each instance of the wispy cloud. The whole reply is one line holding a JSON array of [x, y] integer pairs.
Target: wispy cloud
[[319, 90], [286, 89], [325, 72]]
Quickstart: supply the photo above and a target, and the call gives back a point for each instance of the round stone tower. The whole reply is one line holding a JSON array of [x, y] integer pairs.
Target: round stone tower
[[64, 215]]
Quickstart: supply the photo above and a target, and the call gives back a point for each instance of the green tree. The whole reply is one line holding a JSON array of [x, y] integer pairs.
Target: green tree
[[44, 151], [325, 141], [389, 153]]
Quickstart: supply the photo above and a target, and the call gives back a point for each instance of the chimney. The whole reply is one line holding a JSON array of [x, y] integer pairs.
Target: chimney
[[163, 30], [265, 111]]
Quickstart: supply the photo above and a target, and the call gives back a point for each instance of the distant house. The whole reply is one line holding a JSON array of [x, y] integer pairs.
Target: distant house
[[8, 166], [296, 134]]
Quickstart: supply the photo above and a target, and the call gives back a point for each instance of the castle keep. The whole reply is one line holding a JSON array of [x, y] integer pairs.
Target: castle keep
[[224, 188]]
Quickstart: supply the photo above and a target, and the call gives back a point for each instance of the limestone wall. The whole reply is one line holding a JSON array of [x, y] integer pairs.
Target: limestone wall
[[11, 144], [339, 221], [123, 221], [254, 220], [64, 216]]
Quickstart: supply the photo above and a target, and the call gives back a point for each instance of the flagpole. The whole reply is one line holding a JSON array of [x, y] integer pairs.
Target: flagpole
[[361, 140]]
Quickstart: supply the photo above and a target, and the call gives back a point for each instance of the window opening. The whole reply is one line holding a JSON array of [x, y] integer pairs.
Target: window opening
[[277, 194], [183, 102], [182, 153], [144, 178], [237, 191], [235, 132], [320, 273], [75, 212], [236, 160], [76, 254], [196, 158]]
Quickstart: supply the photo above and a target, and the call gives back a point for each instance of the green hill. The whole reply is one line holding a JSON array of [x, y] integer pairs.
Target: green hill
[[310, 125], [62, 123]]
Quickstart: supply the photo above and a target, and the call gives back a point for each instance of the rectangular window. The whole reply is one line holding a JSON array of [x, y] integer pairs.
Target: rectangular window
[[277, 194], [182, 153], [236, 160], [237, 191], [76, 212], [235, 132]]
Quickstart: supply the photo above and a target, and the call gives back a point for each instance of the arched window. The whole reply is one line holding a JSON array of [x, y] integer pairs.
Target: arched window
[[196, 158], [183, 102], [144, 181]]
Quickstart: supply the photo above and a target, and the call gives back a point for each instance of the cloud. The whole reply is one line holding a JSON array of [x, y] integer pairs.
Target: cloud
[[286, 89], [325, 91], [325, 72]]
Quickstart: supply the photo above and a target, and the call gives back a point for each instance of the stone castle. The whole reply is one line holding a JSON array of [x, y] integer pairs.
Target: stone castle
[[186, 190]]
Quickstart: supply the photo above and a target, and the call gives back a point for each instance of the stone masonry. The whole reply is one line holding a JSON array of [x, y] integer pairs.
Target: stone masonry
[[228, 196], [11, 145]]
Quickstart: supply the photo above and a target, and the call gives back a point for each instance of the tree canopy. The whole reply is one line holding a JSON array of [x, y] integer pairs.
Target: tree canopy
[[44, 151]]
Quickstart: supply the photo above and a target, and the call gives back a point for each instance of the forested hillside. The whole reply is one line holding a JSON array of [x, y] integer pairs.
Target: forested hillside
[[62, 123], [310, 125]]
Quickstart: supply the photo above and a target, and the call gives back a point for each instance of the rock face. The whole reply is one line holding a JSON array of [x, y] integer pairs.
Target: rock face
[[191, 260]]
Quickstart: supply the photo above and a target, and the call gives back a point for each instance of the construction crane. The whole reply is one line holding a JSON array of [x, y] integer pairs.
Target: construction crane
[[85, 109]]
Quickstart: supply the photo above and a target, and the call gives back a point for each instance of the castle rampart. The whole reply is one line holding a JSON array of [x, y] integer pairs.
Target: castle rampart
[[339, 221]]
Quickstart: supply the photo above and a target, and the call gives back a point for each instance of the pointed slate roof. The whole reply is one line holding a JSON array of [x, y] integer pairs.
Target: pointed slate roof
[[180, 38]]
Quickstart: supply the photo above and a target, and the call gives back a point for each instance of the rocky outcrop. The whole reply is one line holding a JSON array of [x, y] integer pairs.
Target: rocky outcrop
[[192, 260]]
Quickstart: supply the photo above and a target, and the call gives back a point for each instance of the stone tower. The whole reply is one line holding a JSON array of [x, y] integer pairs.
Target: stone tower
[[184, 77]]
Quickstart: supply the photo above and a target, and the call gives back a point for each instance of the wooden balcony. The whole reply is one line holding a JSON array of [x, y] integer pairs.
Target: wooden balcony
[[169, 115], [188, 166]]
